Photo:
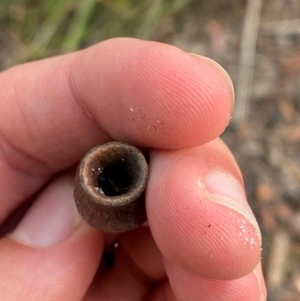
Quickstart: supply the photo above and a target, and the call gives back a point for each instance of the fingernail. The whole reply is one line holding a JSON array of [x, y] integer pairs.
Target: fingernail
[[259, 277], [51, 219], [221, 69], [223, 189]]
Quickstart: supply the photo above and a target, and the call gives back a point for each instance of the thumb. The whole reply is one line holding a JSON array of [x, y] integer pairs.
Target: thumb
[[52, 254]]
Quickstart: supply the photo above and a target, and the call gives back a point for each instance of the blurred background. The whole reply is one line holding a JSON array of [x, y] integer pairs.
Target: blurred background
[[256, 41]]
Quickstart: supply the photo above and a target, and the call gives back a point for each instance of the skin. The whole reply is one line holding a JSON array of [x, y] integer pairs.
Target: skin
[[156, 97]]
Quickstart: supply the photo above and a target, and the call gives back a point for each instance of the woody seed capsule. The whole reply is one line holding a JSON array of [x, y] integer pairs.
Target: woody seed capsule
[[109, 186]]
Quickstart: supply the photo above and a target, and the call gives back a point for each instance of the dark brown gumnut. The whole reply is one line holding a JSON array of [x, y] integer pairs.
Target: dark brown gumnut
[[109, 186]]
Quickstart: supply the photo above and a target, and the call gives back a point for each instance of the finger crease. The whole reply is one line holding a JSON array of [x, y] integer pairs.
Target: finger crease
[[20, 161], [75, 95]]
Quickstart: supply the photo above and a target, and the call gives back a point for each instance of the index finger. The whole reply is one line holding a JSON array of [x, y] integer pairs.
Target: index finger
[[145, 93]]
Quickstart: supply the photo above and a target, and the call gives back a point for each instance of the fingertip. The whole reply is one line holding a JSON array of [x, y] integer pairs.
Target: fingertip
[[221, 70], [156, 95], [208, 238]]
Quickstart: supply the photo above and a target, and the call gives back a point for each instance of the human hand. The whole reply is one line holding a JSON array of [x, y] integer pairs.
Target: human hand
[[201, 242]]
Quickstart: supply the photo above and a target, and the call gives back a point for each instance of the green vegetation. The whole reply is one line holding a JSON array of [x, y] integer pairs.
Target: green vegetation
[[41, 27]]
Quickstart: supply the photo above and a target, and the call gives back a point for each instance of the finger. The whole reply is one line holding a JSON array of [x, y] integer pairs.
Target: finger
[[52, 254], [123, 280], [162, 292], [145, 93], [154, 95], [143, 251], [198, 213], [137, 267], [189, 287], [261, 282]]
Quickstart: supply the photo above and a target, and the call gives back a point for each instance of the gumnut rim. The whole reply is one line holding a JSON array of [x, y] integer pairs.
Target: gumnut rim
[[109, 187]]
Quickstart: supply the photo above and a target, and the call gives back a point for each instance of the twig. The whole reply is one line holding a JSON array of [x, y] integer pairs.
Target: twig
[[247, 59], [280, 250], [282, 26]]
